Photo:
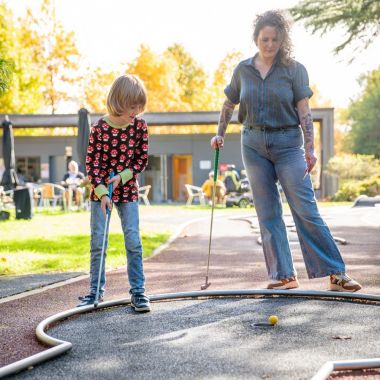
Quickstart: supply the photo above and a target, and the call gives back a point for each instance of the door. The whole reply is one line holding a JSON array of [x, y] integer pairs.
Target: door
[[182, 175]]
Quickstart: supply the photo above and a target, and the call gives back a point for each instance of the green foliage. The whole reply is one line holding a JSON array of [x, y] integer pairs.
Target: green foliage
[[364, 115], [353, 166], [96, 83], [360, 18], [64, 253], [160, 73], [349, 191], [57, 58], [222, 77], [191, 78], [176, 82], [44, 58], [6, 68], [18, 45]]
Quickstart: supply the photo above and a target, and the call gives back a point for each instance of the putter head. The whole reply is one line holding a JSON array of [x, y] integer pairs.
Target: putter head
[[205, 286]]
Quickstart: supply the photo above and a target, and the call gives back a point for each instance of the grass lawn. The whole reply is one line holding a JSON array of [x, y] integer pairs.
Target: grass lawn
[[60, 242]]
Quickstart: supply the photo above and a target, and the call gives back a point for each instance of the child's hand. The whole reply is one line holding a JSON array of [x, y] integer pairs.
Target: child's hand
[[105, 203], [115, 181]]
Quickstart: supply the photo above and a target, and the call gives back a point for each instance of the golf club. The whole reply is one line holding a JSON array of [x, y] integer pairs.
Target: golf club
[[106, 225], [216, 161]]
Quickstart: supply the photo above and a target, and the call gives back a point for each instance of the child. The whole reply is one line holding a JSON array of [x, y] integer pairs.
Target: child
[[118, 144]]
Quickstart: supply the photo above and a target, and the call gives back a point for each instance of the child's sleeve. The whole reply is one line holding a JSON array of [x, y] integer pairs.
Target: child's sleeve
[[95, 173], [140, 157]]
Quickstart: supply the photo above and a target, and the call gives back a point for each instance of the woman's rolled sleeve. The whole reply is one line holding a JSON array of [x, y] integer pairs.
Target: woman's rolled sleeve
[[232, 91], [301, 88]]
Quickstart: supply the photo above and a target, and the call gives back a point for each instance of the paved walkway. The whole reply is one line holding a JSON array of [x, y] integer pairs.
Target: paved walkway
[[236, 263]]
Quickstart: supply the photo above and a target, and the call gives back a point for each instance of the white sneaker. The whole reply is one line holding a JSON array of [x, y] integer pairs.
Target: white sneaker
[[343, 283]]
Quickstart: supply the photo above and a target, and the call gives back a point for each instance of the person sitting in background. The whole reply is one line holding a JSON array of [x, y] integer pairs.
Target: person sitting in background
[[244, 182], [231, 179], [220, 191], [72, 181]]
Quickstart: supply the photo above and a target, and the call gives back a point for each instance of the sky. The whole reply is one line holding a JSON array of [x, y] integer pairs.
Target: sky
[[109, 32]]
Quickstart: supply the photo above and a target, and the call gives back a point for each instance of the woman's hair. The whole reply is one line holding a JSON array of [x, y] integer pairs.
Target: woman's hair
[[280, 21], [127, 90], [73, 165]]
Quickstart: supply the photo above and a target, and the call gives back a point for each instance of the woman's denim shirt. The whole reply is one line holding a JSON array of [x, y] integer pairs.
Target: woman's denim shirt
[[271, 101]]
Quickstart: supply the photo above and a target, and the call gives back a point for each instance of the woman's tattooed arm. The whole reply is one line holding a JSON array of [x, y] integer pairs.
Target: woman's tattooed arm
[[306, 120], [225, 117]]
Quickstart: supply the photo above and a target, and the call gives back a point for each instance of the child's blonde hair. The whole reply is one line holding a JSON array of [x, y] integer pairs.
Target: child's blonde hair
[[127, 90]]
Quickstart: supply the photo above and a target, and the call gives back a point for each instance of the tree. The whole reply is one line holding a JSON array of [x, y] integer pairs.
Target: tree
[[191, 78], [222, 77], [21, 78], [6, 65], [364, 115], [56, 54], [160, 74], [360, 18], [6, 68], [95, 86]]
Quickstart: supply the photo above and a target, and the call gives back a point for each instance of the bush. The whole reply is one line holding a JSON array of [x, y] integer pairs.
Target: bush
[[347, 192], [353, 166], [370, 186], [351, 190]]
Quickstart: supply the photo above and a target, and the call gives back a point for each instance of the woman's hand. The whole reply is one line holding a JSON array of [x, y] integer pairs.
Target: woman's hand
[[105, 203], [217, 142], [311, 160]]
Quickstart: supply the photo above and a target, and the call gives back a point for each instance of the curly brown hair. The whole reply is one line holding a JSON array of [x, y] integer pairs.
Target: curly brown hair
[[279, 20]]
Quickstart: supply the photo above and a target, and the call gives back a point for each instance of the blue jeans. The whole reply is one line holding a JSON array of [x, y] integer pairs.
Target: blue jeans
[[129, 216], [272, 156]]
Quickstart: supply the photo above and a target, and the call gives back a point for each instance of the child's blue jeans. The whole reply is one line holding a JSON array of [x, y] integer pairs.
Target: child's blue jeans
[[129, 216], [271, 156]]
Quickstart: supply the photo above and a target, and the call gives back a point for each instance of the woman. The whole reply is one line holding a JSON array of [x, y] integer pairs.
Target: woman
[[72, 181], [273, 93]]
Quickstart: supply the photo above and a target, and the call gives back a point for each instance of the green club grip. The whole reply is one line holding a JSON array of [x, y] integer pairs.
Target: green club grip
[[216, 163]]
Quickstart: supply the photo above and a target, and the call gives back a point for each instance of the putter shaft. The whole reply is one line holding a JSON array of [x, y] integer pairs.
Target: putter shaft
[[207, 284]]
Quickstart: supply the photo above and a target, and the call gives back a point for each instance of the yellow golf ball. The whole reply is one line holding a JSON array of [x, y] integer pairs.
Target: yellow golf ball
[[273, 319]]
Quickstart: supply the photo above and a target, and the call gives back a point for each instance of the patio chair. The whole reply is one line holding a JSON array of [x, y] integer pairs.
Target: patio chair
[[143, 194], [6, 198], [195, 192], [51, 194]]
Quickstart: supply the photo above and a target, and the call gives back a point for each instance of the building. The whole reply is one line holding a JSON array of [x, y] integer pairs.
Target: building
[[180, 149]]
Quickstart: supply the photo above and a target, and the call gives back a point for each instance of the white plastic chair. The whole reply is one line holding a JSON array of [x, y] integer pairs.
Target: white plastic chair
[[195, 192], [143, 194]]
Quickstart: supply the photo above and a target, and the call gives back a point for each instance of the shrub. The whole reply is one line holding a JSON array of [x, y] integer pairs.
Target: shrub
[[353, 166], [351, 190], [370, 186], [347, 192]]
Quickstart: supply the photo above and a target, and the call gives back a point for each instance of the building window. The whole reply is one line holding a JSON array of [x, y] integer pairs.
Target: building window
[[29, 168]]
